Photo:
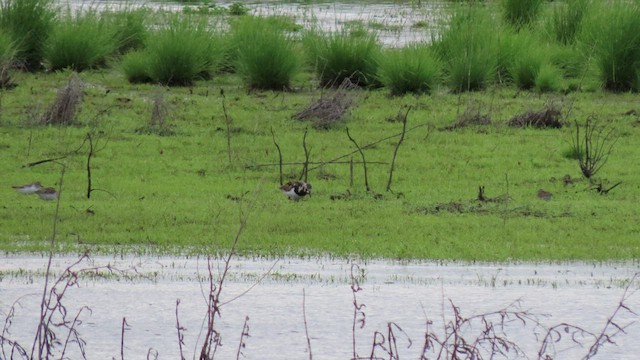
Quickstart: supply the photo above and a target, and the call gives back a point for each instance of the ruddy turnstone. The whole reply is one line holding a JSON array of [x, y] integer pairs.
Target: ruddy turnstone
[[296, 190], [48, 193], [28, 188]]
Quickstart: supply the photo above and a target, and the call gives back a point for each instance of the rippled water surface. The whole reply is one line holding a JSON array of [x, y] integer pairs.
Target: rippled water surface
[[270, 294]]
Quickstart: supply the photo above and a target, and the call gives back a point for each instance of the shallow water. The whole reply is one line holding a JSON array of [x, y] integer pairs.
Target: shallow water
[[404, 293], [395, 23]]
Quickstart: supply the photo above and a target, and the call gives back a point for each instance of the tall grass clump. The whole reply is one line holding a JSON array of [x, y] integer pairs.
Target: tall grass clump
[[129, 28], [523, 59], [468, 49], [410, 69], [521, 13], [341, 55], [267, 56], [612, 33], [29, 22], [79, 41], [565, 21], [7, 60], [135, 66], [182, 50]]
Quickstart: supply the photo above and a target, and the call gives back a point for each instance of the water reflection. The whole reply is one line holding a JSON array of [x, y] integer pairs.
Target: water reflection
[[404, 293]]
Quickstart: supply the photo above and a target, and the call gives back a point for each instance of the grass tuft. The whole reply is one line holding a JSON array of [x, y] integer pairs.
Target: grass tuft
[[79, 42], [411, 69], [267, 57], [29, 22], [342, 55]]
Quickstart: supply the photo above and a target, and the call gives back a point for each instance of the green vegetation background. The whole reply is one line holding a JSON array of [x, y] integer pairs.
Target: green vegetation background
[[181, 194]]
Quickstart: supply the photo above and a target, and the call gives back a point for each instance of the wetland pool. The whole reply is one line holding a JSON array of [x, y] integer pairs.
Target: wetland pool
[[269, 292]]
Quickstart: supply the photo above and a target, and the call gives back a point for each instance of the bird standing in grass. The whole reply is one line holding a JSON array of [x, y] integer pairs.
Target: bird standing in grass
[[28, 188], [47, 193], [296, 190]]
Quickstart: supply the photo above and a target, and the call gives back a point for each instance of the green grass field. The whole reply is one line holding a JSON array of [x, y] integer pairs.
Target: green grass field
[[182, 194]]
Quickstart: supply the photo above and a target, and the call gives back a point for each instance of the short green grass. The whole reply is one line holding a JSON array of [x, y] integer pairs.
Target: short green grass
[[181, 193]]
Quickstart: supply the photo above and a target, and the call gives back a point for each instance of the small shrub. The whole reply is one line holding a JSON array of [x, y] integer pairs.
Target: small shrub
[[183, 50], [29, 22], [79, 41], [267, 57], [526, 67], [411, 69], [593, 145], [339, 56], [135, 66], [521, 13]]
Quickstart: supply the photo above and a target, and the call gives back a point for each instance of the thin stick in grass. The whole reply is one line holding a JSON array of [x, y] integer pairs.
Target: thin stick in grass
[[395, 151], [305, 168], [273, 136], [228, 121], [364, 161]]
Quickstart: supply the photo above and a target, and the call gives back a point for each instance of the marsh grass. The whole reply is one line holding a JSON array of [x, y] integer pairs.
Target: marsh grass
[[610, 33], [565, 22], [135, 66], [29, 22], [521, 13], [129, 26], [468, 49], [342, 55], [7, 61], [158, 182], [183, 50], [80, 41], [267, 56], [410, 69]]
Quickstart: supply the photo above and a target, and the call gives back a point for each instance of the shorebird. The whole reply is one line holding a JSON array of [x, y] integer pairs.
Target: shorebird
[[296, 190], [28, 188], [48, 193]]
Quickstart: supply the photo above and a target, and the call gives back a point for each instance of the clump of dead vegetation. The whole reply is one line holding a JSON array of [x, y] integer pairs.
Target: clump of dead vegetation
[[548, 117], [329, 109], [472, 116], [159, 121], [66, 106]]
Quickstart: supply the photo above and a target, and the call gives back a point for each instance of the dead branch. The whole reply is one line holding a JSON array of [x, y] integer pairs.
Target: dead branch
[[273, 136], [395, 151], [364, 161]]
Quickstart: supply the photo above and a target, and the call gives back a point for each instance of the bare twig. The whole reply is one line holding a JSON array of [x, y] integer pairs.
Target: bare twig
[[358, 312], [228, 121], [245, 334], [305, 167], [364, 161], [306, 328], [273, 136], [395, 151], [180, 330], [122, 330]]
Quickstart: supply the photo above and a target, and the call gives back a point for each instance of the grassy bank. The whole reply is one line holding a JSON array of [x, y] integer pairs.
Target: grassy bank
[[184, 192]]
